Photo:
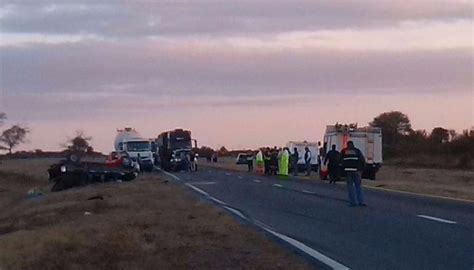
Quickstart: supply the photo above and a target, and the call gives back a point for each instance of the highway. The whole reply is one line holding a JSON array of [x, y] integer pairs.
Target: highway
[[395, 230]]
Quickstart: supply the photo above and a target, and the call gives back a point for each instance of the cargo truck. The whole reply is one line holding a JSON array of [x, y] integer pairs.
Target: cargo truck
[[173, 148], [367, 139]]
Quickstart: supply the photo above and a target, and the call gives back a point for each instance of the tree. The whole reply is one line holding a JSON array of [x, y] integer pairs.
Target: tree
[[439, 135], [394, 125], [13, 137], [222, 151], [79, 144]]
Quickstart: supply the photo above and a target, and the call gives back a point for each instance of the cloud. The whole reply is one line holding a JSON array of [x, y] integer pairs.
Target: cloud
[[197, 18], [99, 65], [195, 68]]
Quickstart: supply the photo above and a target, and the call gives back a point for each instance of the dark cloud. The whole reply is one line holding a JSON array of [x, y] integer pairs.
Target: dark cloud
[[171, 18], [164, 69]]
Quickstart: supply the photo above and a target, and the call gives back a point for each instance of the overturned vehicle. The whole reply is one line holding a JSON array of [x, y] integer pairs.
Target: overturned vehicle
[[72, 172]]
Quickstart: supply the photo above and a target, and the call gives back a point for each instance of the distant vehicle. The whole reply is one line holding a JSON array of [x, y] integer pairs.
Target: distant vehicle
[[173, 148], [313, 148], [241, 159], [72, 172], [367, 139], [130, 143]]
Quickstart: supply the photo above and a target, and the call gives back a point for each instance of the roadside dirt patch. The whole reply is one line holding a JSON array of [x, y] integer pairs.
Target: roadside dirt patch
[[144, 224]]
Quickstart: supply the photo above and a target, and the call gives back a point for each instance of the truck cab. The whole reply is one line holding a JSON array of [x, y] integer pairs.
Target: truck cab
[[132, 144]]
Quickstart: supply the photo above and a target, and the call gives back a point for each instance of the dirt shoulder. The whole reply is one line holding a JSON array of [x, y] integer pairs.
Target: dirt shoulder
[[150, 223], [456, 184]]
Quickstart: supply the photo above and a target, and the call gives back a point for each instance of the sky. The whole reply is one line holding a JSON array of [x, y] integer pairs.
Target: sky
[[237, 73]]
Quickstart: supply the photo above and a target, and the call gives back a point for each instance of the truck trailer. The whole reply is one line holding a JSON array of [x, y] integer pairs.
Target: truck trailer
[[367, 139]]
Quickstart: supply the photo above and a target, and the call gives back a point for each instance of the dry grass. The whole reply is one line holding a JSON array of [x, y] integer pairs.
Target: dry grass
[[458, 184], [149, 223]]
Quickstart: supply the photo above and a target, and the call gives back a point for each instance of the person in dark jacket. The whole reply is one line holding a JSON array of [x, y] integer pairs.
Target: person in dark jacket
[[274, 162], [250, 161], [332, 160], [353, 163], [307, 160], [294, 161]]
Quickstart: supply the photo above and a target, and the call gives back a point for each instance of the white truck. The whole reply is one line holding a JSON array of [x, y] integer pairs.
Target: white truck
[[300, 146], [129, 142], [367, 139]]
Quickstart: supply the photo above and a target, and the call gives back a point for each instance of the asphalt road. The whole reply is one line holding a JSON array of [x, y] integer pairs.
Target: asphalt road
[[395, 231]]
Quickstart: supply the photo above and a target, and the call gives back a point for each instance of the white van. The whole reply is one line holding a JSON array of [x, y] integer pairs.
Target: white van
[[313, 148]]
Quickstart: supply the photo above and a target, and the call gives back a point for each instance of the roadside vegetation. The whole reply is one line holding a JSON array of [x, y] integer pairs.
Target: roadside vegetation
[[149, 223]]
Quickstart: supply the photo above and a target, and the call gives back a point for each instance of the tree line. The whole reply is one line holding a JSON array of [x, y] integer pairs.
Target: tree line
[[401, 141]]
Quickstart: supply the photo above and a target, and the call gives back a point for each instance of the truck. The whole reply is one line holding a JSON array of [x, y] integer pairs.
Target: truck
[[367, 139], [173, 147], [73, 172], [313, 148], [132, 144]]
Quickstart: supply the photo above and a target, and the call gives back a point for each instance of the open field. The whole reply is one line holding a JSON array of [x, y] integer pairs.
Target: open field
[[149, 223], [458, 184]]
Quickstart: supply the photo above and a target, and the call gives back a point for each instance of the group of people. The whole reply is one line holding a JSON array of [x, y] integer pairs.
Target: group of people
[[279, 161], [350, 161]]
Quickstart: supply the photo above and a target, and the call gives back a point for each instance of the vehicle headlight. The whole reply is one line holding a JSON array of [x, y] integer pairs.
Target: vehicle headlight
[[63, 169]]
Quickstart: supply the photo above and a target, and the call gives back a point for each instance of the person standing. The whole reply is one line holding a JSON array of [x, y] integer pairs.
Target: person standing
[[266, 160], [294, 161], [353, 163], [274, 162], [284, 158], [250, 161], [332, 160], [307, 160]]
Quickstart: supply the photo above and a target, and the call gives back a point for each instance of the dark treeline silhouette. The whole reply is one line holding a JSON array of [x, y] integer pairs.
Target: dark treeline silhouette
[[440, 147]]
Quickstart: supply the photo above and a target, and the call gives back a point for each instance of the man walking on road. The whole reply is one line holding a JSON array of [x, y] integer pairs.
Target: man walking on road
[[294, 161], [332, 159], [307, 160], [353, 163]]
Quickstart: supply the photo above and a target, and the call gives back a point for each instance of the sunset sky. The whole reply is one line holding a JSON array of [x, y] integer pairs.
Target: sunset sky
[[236, 73]]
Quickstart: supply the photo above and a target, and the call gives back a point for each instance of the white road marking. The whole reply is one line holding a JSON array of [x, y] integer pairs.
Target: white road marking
[[437, 219], [217, 200], [240, 177], [172, 175], [228, 174], [308, 192], [238, 213], [311, 252], [204, 183], [197, 189]]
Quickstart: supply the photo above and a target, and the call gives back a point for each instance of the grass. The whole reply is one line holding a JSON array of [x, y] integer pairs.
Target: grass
[[149, 223], [457, 184]]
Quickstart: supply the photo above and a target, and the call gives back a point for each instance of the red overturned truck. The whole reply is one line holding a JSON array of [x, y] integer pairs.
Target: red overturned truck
[[73, 172]]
